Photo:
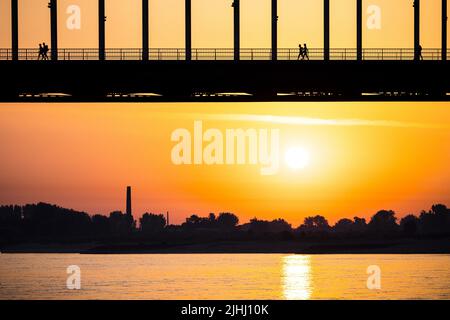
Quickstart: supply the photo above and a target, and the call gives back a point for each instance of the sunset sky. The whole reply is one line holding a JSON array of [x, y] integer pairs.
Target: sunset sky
[[363, 156], [371, 156], [212, 23]]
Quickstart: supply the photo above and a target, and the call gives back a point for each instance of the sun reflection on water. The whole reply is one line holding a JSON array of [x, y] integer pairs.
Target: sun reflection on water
[[297, 277]]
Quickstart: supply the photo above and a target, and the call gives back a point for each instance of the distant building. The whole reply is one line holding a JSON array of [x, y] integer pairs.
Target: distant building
[[129, 212]]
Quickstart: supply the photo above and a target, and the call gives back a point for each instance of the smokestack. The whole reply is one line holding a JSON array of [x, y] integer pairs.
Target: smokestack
[[129, 213]]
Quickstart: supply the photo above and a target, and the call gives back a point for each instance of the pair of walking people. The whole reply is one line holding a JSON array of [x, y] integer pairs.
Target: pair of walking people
[[43, 51], [303, 52]]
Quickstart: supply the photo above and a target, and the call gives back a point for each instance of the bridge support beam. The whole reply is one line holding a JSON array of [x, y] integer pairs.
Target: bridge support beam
[[188, 27], [359, 53], [416, 29], [101, 29], [15, 30], [53, 6], [145, 32], [274, 30], [237, 29], [444, 30], [326, 30]]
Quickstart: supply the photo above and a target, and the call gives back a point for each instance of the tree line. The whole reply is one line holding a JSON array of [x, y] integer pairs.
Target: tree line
[[48, 222]]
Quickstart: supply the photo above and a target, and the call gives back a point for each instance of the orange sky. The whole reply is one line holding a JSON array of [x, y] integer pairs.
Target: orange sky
[[299, 21], [83, 156], [375, 156]]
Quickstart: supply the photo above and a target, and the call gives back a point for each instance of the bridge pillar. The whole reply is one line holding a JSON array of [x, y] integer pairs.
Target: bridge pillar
[[444, 30], [326, 30], [188, 27], [237, 29], [359, 53], [416, 29], [145, 32], [274, 30], [101, 29], [53, 6], [14, 30]]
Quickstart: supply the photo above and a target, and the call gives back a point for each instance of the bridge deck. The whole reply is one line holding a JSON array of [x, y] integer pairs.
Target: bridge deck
[[213, 54], [153, 81]]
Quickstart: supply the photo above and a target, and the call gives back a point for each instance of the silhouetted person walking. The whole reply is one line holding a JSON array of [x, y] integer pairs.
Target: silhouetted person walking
[[420, 53], [300, 52], [305, 52], [41, 52], [45, 51]]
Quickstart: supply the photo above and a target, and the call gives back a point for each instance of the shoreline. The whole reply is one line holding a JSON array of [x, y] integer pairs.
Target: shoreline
[[431, 246]]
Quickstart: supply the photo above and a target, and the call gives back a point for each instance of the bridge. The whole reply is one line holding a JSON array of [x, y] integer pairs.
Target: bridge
[[224, 74]]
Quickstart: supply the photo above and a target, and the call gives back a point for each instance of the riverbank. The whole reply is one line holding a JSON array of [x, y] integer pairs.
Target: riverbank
[[405, 246]]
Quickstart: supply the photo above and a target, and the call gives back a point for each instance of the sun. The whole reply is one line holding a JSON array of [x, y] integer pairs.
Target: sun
[[297, 158]]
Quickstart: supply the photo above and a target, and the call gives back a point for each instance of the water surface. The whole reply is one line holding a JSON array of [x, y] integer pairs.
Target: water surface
[[224, 276]]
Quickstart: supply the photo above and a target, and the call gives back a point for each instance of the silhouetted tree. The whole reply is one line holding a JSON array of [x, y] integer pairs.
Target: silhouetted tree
[[410, 225], [10, 214], [359, 225], [100, 225], [10, 222], [436, 221], [263, 226], [196, 222], [120, 223], [212, 218], [152, 223], [50, 221], [256, 226], [316, 225], [227, 220], [383, 223], [343, 226], [346, 226], [440, 210], [193, 220], [280, 225]]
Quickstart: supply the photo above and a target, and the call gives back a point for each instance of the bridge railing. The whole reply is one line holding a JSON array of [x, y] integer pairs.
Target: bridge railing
[[227, 54]]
